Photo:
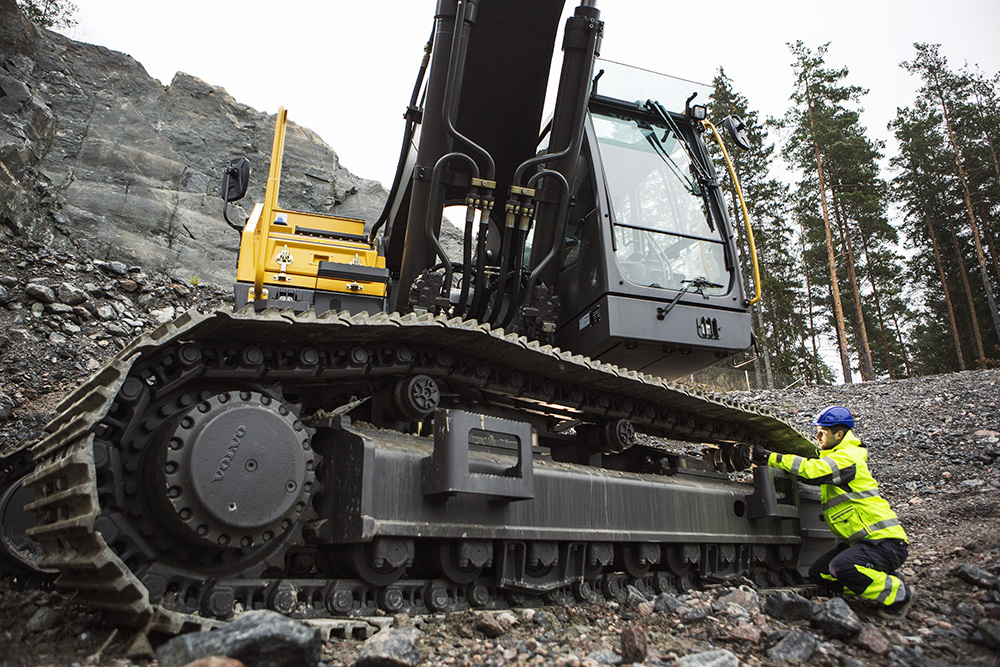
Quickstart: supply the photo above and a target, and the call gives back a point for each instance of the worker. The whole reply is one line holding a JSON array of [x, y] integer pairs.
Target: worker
[[873, 545]]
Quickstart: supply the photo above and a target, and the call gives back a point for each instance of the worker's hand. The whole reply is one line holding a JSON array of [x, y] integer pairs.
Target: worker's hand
[[760, 455]]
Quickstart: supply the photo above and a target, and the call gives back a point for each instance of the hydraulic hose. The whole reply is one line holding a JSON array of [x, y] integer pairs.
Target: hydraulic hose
[[435, 205], [410, 115], [529, 291]]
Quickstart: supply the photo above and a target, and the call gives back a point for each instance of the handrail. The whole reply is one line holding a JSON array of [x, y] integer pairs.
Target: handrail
[[263, 229], [746, 216]]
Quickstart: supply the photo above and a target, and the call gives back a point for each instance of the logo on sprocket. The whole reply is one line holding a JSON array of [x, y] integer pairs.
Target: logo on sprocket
[[227, 460]]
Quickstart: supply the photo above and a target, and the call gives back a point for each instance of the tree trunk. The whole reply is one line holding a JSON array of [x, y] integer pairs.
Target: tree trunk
[[838, 308], [944, 285], [980, 256], [878, 304], [812, 319], [865, 351], [981, 359]]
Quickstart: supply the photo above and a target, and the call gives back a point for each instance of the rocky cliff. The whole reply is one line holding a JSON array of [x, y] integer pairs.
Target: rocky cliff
[[99, 159]]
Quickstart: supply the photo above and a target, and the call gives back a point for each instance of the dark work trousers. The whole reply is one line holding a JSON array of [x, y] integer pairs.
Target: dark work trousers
[[867, 569]]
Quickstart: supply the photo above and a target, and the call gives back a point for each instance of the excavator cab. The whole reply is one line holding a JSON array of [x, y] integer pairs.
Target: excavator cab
[[649, 275]]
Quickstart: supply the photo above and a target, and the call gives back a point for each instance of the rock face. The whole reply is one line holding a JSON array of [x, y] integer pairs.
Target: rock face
[[99, 159]]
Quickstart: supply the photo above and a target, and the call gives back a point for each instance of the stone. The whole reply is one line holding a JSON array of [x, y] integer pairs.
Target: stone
[[976, 576], [8, 281], [835, 618], [667, 603], [871, 639], [745, 598], [6, 407], [116, 329], [57, 338], [216, 661], [747, 632], [162, 315], [634, 648], [115, 268], [788, 607], [20, 336], [128, 285], [40, 293], [487, 625], [717, 658], [106, 312], [4, 295], [605, 657], [257, 639], [634, 596], [990, 632], [71, 295], [58, 309], [797, 645], [45, 618], [390, 648]]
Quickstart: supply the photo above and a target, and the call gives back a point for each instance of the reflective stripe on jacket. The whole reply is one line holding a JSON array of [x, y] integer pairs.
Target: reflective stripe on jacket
[[852, 508]]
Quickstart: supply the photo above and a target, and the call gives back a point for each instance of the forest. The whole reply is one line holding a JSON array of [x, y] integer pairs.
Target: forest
[[896, 264]]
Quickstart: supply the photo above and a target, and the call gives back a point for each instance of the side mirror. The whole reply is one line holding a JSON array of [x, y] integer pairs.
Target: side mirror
[[236, 179], [738, 131]]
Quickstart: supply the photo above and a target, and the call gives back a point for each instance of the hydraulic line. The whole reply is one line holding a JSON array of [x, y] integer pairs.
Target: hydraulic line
[[435, 204], [412, 111]]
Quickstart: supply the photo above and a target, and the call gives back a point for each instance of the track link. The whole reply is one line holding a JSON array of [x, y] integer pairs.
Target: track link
[[518, 372]]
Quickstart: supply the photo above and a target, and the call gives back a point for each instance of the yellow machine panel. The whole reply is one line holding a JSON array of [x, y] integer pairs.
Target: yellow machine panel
[[305, 258]]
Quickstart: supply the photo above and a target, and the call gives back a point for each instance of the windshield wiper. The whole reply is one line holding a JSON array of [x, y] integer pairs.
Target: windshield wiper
[[702, 174], [661, 150], [696, 286]]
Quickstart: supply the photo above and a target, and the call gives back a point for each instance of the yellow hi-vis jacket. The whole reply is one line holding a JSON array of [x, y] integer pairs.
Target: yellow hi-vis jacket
[[852, 508]]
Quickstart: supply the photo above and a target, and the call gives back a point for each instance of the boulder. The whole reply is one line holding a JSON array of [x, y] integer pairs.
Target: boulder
[[797, 645], [257, 639], [97, 154], [788, 607], [835, 619]]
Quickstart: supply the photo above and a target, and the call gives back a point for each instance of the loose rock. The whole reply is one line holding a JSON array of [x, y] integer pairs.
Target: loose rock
[[258, 639], [390, 648]]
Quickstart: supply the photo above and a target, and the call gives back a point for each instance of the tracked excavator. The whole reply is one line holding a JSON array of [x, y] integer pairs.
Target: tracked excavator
[[378, 425]]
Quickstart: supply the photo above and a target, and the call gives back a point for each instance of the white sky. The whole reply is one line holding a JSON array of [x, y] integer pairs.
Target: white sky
[[345, 69]]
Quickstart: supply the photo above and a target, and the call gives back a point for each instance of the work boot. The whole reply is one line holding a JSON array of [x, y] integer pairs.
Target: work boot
[[898, 609]]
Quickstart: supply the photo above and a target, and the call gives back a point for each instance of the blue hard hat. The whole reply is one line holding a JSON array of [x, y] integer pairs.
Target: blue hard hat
[[832, 416]]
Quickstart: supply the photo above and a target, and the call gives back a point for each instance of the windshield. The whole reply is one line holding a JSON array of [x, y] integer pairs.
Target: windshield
[[665, 235], [635, 84]]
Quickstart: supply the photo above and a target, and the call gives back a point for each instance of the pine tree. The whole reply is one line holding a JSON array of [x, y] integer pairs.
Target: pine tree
[[52, 14], [947, 91], [777, 320], [822, 124]]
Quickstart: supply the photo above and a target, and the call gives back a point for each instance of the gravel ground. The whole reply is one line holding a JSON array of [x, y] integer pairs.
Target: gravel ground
[[934, 444]]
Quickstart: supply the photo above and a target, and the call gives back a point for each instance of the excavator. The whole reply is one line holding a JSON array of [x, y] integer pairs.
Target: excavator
[[381, 425]]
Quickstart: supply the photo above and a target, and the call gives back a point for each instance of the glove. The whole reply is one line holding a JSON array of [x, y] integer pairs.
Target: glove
[[760, 455]]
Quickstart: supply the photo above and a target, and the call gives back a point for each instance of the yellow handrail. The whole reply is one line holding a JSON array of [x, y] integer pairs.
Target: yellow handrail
[[270, 202], [743, 206]]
